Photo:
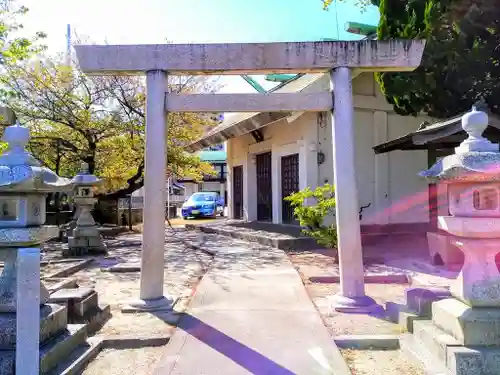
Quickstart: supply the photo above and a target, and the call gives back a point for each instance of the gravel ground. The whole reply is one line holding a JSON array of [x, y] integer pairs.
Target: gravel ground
[[361, 362], [183, 270], [379, 362], [124, 362], [311, 264]]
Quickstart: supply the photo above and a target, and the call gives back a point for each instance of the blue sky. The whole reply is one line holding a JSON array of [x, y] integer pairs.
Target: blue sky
[[192, 21]]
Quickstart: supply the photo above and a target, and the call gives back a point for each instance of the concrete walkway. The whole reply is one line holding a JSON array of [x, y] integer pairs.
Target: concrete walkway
[[250, 315]]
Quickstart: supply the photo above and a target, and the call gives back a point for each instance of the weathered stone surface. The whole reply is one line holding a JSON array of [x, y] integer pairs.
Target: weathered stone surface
[[434, 339], [246, 58], [124, 267], [86, 304], [275, 102], [60, 347], [53, 320], [64, 295], [439, 243], [473, 361], [419, 300], [469, 325], [416, 352]]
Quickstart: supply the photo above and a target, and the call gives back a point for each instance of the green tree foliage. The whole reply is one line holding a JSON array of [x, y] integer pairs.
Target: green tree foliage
[[360, 3], [75, 118], [15, 48], [311, 207], [461, 62], [461, 59]]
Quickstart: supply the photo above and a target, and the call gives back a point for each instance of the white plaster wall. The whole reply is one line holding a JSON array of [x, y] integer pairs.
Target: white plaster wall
[[409, 193], [210, 186], [281, 138], [191, 188], [388, 183]]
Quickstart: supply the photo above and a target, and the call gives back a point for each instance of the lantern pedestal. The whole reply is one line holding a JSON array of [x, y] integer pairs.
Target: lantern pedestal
[[34, 336], [85, 237], [463, 333]]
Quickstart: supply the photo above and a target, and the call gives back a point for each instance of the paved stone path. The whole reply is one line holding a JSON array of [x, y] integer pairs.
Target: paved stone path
[[250, 315]]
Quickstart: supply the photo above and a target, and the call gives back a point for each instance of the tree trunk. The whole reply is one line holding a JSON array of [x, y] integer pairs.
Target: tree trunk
[[133, 183]]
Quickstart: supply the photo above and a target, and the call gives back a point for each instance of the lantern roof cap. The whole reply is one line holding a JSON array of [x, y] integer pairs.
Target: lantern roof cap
[[85, 178], [20, 171]]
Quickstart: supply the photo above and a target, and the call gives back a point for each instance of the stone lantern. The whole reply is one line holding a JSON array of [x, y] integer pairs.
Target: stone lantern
[[85, 237], [24, 184], [471, 318]]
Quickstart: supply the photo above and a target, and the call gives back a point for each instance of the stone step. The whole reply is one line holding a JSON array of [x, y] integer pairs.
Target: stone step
[[417, 306], [463, 360], [433, 338], [458, 359], [56, 350], [77, 360], [51, 353], [421, 356], [78, 301], [95, 318], [267, 237], [471, 326], [53, 320], [419, 300], [400, 314]]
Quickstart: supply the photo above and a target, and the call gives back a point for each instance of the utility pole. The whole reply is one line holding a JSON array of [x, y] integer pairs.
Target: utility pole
[[68, 45], [168, 198]]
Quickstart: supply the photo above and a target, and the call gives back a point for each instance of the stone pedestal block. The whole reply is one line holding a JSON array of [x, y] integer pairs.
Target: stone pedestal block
[[52, 353], [478, 283], [440, 244], [433, 345], [53, 320], [471, 326], [83, 307], [9, 279], [419, 300], [85, 240], [78, 301]]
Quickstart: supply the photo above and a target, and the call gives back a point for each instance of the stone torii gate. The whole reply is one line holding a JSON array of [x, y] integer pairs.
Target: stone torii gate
[[157, 62]]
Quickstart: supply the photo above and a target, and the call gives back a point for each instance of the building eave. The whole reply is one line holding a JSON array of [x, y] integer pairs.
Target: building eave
[[445, 132], [244, 123]]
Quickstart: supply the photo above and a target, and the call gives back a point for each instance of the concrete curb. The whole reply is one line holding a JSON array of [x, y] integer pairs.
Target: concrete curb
[[192, 246], [60, 284], [58, 261], [125, 244], [70, 270], [134, 342], [367, 342], [285, 244], [119, 343], [369, 279], [127, 309], [83, 360], [122, 268]]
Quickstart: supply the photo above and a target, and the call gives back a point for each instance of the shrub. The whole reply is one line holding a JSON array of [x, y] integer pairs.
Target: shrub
[[311, 215]]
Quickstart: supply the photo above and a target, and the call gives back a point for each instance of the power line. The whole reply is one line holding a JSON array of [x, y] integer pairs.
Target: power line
[[337, 19]]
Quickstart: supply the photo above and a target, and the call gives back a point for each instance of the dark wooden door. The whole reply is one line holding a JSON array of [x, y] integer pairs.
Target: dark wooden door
[[264, 187], [238, 192], [289, 185]]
